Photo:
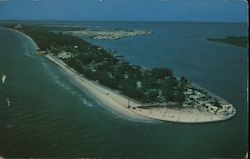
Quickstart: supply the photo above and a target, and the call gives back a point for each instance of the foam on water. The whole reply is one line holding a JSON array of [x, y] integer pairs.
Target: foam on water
[[89, 103], [28, 44], [66, 86], [93, 100], [85, 101]]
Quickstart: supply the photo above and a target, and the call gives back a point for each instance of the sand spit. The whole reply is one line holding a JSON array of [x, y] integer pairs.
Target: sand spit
[[131, 108], [108, 35], [134, 109]]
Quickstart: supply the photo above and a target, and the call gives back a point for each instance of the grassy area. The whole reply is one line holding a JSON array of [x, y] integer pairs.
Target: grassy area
[[232, 40]]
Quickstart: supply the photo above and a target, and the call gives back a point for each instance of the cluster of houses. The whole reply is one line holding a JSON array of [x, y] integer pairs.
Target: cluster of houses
[[204, 102], [60, 54], [65, 55], [18, 26]]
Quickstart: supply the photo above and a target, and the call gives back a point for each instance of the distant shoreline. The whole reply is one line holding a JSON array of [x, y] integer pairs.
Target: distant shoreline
[[116, 21], [107, 34], [238, 41], [131, 108]]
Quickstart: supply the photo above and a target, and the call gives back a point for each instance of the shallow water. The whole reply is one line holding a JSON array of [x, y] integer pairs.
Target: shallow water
[[49, 116]]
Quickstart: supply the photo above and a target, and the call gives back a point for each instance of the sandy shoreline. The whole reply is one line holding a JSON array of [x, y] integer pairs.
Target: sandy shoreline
[[104, 95], [120, 103]]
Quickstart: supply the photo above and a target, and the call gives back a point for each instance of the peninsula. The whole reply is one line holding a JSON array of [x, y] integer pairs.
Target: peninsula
[[241, 41], [133, 90], [107, 34]]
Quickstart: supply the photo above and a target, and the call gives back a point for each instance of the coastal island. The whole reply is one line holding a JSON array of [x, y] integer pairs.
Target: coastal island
[[241, 41], [133, 90], [107, 34]]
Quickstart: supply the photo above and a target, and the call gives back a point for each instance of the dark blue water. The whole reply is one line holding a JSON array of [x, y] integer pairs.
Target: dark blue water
[[50, 117]]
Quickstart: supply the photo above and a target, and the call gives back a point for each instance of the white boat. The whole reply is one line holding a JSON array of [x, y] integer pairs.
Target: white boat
[[3, 78]]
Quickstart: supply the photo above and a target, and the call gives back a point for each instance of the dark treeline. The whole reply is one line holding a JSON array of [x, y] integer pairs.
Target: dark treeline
[[232, 40]]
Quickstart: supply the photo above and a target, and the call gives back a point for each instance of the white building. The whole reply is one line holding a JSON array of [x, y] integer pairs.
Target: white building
[[138, 84], [65, 55], [211, 108]]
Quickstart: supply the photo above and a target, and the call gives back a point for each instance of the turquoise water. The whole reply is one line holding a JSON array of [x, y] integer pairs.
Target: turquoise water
[[49, 116]]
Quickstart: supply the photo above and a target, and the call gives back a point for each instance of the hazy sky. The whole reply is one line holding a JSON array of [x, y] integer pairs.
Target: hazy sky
[[132, 10]]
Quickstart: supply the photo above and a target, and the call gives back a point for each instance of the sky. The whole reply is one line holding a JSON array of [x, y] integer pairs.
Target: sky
[[126, 10]]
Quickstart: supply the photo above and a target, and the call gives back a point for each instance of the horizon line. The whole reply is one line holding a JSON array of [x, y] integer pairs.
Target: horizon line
[[152, 21]]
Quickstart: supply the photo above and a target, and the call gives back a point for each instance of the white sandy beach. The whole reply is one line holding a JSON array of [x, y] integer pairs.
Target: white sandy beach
[[104, 95], [120, 103]]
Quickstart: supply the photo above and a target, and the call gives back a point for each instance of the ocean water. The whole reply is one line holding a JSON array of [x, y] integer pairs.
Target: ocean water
[[50, 117]]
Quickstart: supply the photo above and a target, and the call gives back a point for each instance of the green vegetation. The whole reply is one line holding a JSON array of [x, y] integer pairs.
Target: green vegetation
[[110, 69], [232, 40]]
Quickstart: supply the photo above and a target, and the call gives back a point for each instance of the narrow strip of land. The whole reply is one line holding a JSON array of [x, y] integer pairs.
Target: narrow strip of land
[[131, 108], [131, 90], [240, 41]]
